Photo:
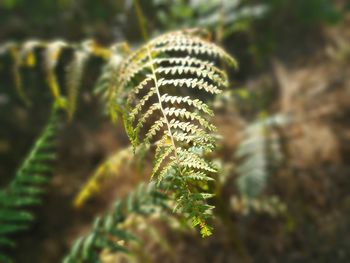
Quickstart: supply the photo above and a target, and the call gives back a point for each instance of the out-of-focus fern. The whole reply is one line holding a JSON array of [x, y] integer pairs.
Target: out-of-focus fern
[[26, 188], [270, 205], [155, 77], [108, 168], [231, 15], [74, 75], [148, 231], [261, 153], [108, 232], [24, 55], [11, 48], [108, 79], [135, 221], [234, 15]]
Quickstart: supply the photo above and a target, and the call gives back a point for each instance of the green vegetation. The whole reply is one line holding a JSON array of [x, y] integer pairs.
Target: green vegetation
[[213, 130]]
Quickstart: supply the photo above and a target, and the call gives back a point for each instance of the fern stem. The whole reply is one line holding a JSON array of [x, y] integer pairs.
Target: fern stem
[[171, 136], [154, 76]]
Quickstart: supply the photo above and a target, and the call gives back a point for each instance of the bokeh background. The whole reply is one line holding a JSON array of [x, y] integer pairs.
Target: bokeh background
[[284, 200]]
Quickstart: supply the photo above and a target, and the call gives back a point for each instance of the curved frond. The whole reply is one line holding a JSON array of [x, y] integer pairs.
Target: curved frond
[[154, 79]]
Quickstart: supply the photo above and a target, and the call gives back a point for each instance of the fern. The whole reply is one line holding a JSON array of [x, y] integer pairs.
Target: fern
[[26, 189], [109, 167], [24, 55], [176, 62], [160, 91], [108, 232], [261, 154], [108, 78], [11, 48], [74, 75]]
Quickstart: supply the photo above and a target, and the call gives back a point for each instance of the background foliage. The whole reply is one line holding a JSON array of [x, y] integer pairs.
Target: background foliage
[[283, 190]]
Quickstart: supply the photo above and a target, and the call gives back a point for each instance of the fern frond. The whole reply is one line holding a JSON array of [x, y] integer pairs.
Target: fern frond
[[75, 69], [179, 61], [74, 75], [52, 55], [26, 189], [107, 84], [12, 49], [108, 168], [187, 42], [261, 153], [108, 232], [24, 55]]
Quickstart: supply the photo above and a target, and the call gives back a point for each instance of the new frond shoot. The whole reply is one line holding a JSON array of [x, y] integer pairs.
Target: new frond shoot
[[160, 92]]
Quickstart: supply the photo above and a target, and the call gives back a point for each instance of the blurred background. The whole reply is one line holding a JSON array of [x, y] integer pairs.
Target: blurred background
[[283, 193]]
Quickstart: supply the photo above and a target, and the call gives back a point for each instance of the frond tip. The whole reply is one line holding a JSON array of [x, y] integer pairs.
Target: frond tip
[[153, 81]]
